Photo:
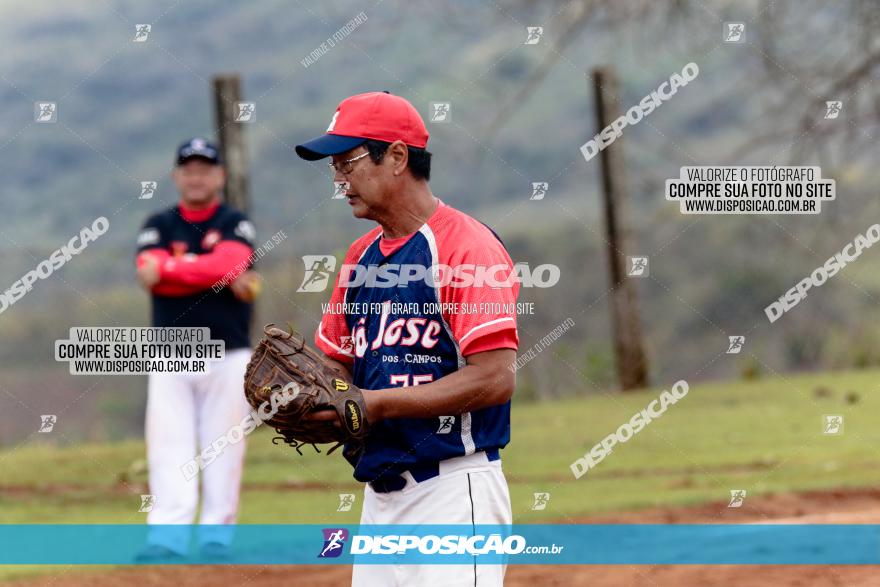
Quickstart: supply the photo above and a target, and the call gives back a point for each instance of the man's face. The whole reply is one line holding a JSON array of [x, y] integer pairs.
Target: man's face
[[368, 182], [198, 181]]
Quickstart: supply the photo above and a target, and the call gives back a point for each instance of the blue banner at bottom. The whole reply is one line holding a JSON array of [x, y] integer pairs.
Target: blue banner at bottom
[[557, 544]]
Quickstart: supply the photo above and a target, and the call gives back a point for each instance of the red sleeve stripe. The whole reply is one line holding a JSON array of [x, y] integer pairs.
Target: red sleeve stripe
[[330, 344], [489, 323]]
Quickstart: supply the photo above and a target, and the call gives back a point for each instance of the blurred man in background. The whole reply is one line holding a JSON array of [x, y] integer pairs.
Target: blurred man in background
[[186, 253]]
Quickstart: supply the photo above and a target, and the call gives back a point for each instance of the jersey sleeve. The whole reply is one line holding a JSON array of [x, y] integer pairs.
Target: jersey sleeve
[[483, 315], [166, 288], [239, 229], [152, 240], [333, 336], [152, 235], [501, 339], [224, 264], [230, 257]]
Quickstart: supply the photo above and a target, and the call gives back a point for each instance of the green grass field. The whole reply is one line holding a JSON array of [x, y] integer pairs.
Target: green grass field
[[763, 436]]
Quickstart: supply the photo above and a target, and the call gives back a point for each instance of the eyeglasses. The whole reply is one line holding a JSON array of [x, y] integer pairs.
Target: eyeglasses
[[345, 167]]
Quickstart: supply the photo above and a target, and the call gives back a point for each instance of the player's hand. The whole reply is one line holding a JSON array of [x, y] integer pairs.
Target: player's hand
[[340, 368], [325, 416], [148, 271], [330, 417], [247, 286]]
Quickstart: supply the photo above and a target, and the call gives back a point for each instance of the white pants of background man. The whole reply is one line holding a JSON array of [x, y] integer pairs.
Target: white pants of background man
[[186, 412], [470, 490]]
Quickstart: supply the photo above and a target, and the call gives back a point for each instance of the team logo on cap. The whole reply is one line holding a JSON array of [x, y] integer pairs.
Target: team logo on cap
[[333, 122]]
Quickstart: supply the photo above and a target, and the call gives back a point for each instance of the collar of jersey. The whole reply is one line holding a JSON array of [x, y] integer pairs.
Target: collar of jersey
[[396, 243], [191, 215], [389, 246]]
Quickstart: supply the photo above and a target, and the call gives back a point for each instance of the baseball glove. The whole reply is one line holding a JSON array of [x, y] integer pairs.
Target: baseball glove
[[286, 380]]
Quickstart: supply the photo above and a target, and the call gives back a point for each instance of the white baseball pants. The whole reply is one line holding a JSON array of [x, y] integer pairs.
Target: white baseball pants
[[186, 412], [469, 490]]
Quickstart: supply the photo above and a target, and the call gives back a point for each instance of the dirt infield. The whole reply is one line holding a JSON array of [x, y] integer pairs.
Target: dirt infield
[[824, 507]]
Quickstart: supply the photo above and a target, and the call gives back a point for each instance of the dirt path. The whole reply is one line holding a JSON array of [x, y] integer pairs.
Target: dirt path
[[825, 507]]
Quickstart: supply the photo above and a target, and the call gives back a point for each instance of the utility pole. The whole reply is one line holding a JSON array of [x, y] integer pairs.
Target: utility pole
[[632, 365], [230, 134]]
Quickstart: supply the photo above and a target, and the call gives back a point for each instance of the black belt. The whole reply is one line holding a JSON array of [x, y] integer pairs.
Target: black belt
[[420, 472]]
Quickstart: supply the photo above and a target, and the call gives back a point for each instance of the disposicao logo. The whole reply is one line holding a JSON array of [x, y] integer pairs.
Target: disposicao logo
[[334, 542]]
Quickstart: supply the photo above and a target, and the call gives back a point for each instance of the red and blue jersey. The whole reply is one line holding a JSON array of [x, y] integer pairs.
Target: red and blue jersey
[[420, 330], [196, 250]]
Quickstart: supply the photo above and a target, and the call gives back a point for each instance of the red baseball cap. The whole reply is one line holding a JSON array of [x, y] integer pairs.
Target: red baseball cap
[[375, 115]]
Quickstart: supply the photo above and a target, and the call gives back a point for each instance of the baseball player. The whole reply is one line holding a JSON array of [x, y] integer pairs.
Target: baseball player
[[182, 252], [433, 361]]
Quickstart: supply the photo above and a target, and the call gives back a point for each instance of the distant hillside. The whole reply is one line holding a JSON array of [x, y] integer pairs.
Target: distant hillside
[[124, 106]]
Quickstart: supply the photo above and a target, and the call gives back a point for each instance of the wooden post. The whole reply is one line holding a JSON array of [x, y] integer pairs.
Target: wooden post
[[632, 365], [230, 134]]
